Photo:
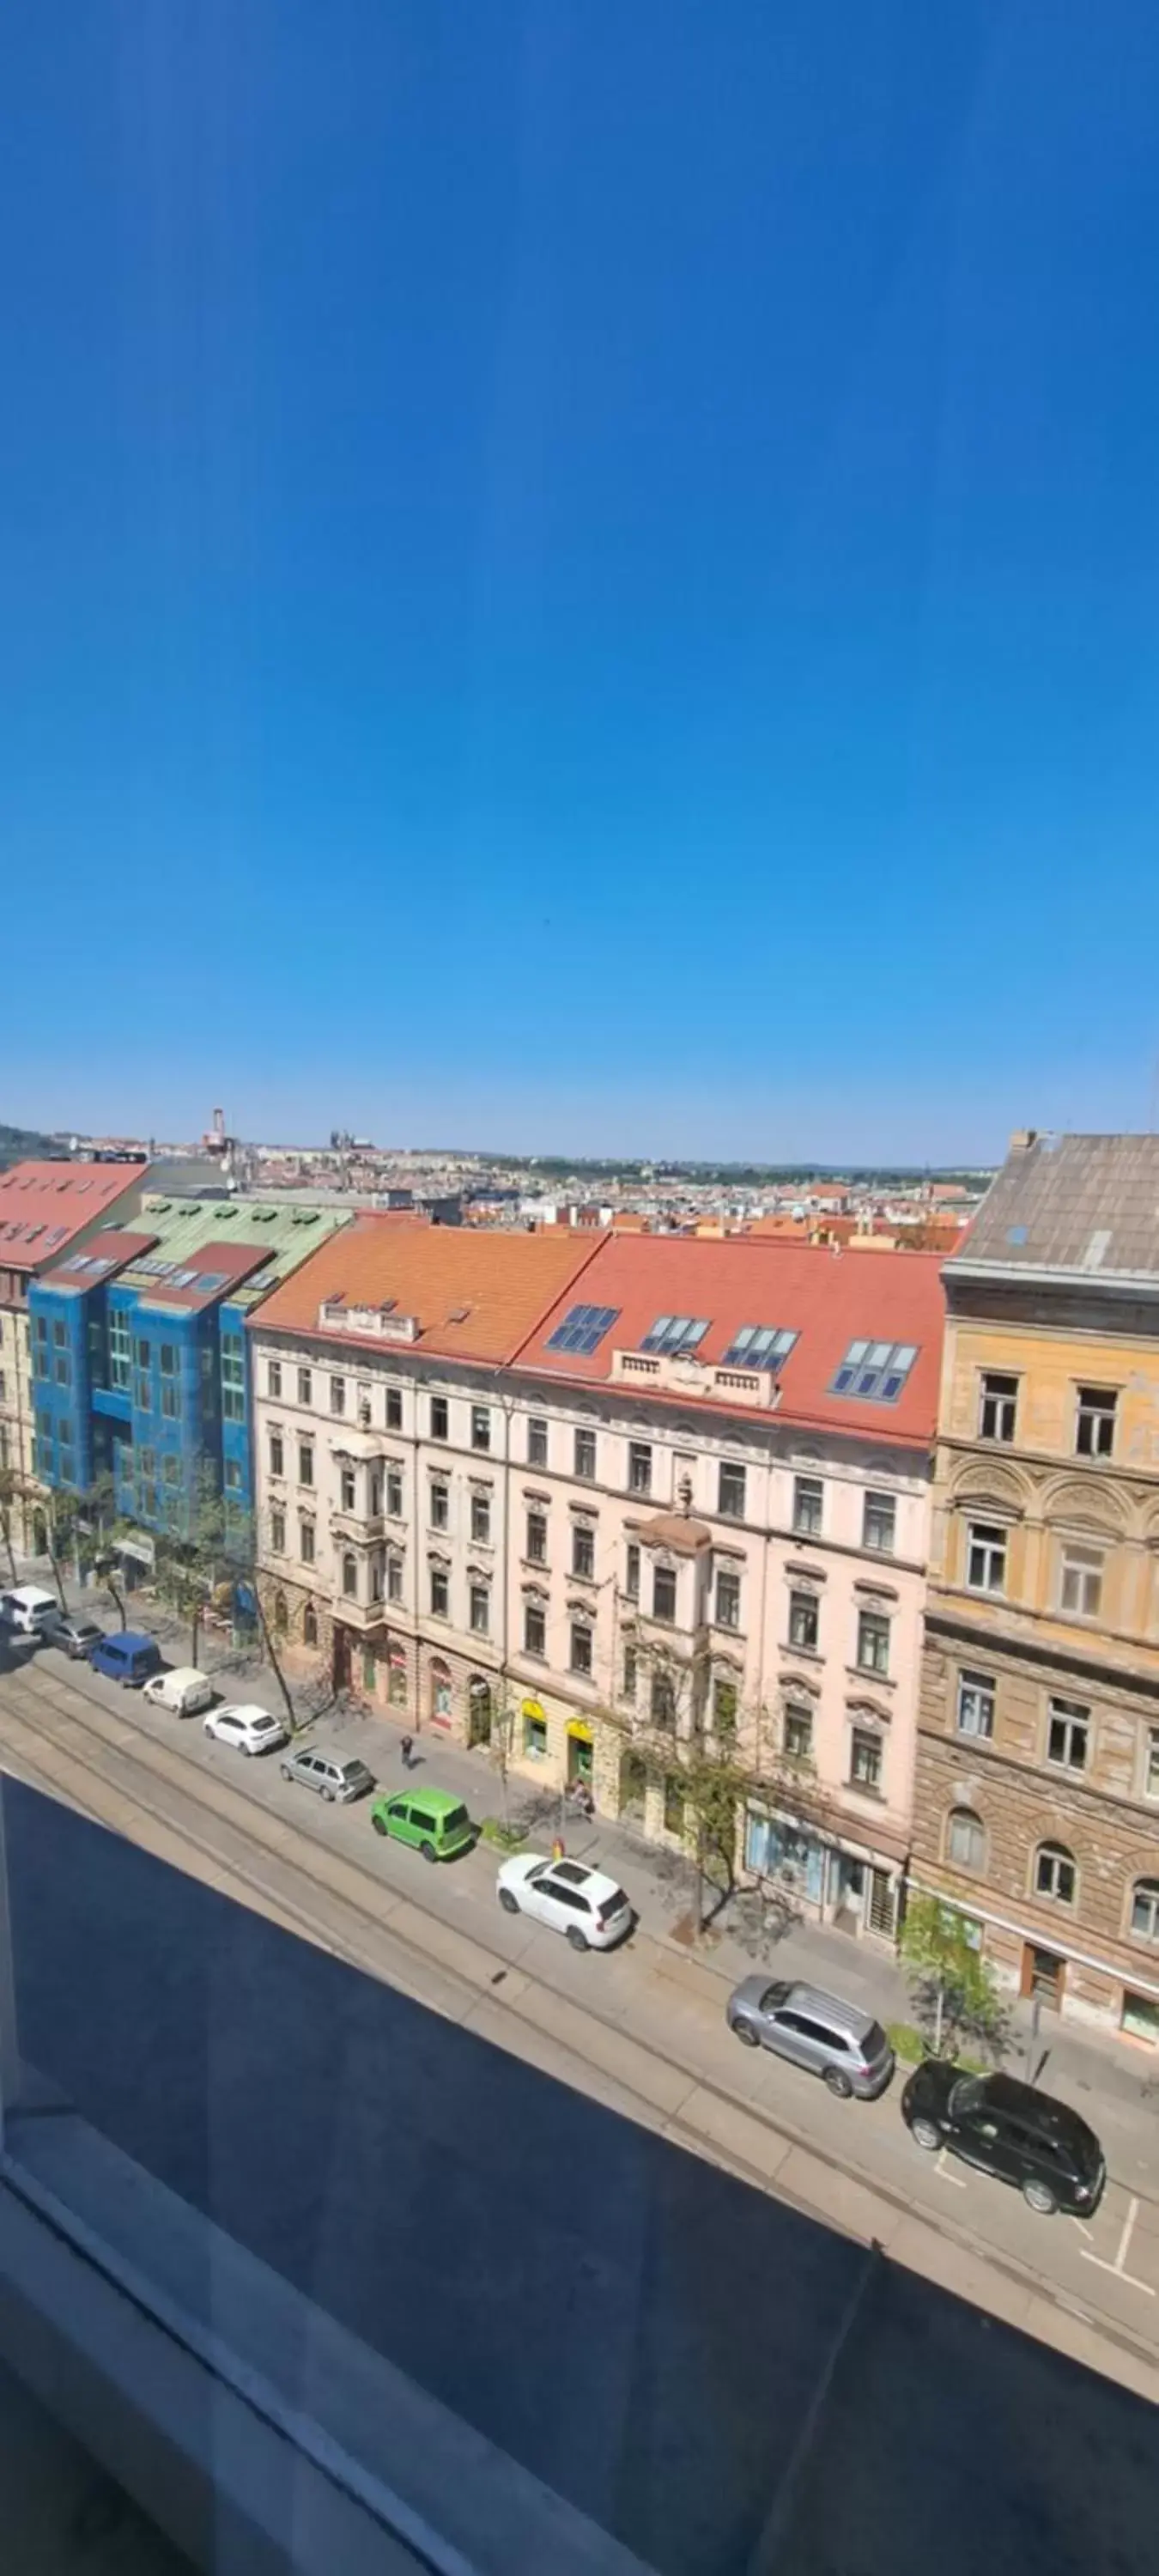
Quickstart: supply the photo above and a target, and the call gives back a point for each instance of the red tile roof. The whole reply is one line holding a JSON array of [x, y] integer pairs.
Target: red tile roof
[[474, 1296], [43, 1205], [829, 1298], [226, 1263], [114, 1246]]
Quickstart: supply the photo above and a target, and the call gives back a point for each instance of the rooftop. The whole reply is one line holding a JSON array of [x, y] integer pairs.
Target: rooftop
[[1071, 1206], [466, 1295], [233, 1247], [43, 1206]]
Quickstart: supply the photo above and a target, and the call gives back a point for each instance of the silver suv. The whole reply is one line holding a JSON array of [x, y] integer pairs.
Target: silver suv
[[337, 1777], [838, 2042]]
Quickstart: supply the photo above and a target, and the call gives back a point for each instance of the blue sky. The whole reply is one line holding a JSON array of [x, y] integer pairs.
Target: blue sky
[[581, 576]]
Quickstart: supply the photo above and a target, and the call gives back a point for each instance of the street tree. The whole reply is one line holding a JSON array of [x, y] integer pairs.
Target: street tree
[[955, 1995]]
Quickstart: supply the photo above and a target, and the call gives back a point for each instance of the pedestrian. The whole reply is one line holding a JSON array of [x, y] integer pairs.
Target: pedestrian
[[408, 1746]]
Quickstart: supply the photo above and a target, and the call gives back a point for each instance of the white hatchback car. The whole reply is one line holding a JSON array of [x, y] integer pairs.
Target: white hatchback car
[[583, 1903], [249, 1730]]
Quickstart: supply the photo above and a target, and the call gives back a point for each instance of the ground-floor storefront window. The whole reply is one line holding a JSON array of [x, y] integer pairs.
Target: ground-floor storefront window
[[777, 1849], [1141, 2016]]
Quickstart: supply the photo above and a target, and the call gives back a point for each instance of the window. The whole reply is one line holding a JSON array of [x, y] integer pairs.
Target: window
[[537, 1441], [232, 1475], [273, 1377], [864, 1759], [534, 1736], [985, 1557], [1054, 1873], [168, 1360], [727, 1598], [998, 1406], [582, 1330], [583, 1550], [350, 1575], [673, 1803], [804, 1621], [120, 1351], [305, 1462], [581, 1646], [480, 1608], [808, 1506], [170, 1401], [62, 1371], [337, 1395], [394, 1493], [675, 1335], [534, 1629], [232, 1377], [724, 1708], [875, 1372], [1068, 1734], [798, 1733], [440, 1592], [759, 1346], [278, 1532], [277, 1454], [1081, 1584], [440, 1691], [664, 1593], [976, 1693], [309, 1625], [1145, 1909], [375, 1503], [440, 1418], [872, 1642], [305, 1386], [393, 1575], [281, 1614], [144, 1353], [730, 1501], [663, 1699], [966, 1843], [1151, 1764], [480, 1427], [306, 1542], [536, 1546], [585, 1455], [439, 1504], [632, 1570], [631, 1670], [879, 1523], [481, 1518], [348, 1489], [1095, 1421], [639, 1467]]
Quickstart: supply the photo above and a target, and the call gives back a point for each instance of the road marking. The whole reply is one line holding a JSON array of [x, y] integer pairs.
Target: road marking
[[942, 2168], [1118, 2267]]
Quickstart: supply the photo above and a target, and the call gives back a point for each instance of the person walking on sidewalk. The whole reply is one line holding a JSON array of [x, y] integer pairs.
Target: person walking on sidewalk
[[406, 1749]]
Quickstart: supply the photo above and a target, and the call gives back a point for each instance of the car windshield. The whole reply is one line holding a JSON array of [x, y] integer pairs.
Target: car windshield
[[773, 1995], [968, 2094]]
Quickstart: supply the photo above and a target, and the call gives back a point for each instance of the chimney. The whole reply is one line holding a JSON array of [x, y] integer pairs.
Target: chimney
[[1022, 1140]]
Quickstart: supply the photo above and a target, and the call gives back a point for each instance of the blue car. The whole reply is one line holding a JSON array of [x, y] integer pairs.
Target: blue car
[[128, 1658]]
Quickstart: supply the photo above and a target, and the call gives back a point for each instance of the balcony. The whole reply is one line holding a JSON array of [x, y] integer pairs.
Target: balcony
[[670, 1375], [361, 1529]]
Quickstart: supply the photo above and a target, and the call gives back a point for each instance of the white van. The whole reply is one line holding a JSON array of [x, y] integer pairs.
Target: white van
[[184, 1693], [29, 1609]]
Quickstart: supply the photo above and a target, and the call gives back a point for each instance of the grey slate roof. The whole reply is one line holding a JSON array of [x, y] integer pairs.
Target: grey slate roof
[[1086, 1205]]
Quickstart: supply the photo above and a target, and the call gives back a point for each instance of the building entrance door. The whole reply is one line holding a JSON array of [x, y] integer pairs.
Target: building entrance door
[[1043, 1976], [342, 1657]]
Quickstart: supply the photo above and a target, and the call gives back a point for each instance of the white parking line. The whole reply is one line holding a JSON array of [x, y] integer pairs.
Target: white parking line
[[1118, 2267], [942, 2168]]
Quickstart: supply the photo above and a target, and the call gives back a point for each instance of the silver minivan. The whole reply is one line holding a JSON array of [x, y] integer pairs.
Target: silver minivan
[[829, 2038], [337, 1777]]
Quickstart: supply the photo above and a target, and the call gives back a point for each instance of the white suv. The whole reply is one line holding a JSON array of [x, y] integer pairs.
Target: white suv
[[29, 1609], [249, 1730], [584, 1903]]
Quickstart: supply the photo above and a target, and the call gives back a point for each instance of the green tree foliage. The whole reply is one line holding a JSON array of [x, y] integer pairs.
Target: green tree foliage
[[955, 1997]]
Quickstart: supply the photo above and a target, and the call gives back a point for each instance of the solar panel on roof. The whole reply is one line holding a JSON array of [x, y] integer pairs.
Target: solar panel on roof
[[583, 1329]]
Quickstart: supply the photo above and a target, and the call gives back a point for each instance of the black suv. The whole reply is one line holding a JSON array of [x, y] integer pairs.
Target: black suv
[[1009, 2129]]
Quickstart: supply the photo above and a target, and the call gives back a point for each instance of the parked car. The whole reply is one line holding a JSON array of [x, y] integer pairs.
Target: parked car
[[336, 1776], [249, 1730], [75, 1637], [29, 1609], [127, 1657], [1009, 2129], [828, 2037], [184, 1692], [431, 1820], [583, 1903]]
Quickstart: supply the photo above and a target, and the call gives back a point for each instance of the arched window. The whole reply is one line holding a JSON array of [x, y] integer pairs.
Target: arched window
[[1145, 1909], [309, 1625], [396, 1688], [281, 1614], [479, 1711], [966, 1843], [350, 1575], [440, 1690], [1054, 1873]]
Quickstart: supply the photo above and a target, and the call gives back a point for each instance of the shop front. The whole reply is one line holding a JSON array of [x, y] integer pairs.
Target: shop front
[[580, 1753], [854, 1889]]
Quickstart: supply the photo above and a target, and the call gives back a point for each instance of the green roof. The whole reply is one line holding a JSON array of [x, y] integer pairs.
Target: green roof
[[283, 1231]]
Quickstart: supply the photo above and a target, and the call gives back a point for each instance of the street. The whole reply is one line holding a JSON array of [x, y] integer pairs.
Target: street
[[640, 2029]]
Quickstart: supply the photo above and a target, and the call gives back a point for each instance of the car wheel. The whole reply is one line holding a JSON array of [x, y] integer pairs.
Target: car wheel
[[287, 1774], [428, 1851], [578, 1939], [836, 2082], [927, 2135], [749, 2037], [328, 1797], [1039, 2196], [509, 1903], [248, 1751], [379, 1824]]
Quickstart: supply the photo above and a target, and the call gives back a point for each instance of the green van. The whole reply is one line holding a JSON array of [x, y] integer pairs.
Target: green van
[[430, 1819]]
